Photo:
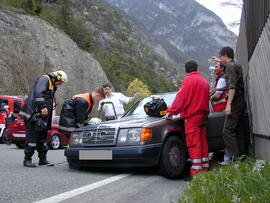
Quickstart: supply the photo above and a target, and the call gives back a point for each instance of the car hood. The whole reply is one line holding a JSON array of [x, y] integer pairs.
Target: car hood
[[132, 121]]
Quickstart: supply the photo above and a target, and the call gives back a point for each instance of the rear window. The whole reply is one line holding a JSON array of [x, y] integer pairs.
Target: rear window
[[3, 102]]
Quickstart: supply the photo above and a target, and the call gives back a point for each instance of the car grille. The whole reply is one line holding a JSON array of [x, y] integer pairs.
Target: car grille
[[102, 135]]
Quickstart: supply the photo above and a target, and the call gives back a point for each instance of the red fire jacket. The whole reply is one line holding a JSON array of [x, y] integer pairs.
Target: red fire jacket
[[192, 98]]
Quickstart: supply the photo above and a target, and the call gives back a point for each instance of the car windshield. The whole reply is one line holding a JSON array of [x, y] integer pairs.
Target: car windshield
[[138, 109]]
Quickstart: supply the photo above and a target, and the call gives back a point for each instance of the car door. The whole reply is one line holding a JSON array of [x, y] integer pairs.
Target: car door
[[214, 131]]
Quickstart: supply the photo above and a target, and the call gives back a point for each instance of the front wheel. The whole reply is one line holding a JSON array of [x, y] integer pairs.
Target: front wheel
[[55, 142], [173, 158]]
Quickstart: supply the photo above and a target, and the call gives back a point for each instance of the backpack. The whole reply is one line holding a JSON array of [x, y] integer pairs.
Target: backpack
[[156, 108]]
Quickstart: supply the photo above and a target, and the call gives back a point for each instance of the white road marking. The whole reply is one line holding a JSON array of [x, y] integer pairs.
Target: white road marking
[[78, 191]]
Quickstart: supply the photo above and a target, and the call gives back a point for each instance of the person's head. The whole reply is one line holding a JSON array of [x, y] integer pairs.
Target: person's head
[[98, 94], [59, 77], [7, 108], [226, 54], [219, 68], [191, 66], [107, 89]]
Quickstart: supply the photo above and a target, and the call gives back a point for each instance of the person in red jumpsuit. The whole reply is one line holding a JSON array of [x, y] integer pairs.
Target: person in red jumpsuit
[[192, 103]]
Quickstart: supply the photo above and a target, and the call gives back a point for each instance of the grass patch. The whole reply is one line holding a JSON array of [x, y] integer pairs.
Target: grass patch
[[236, 183]]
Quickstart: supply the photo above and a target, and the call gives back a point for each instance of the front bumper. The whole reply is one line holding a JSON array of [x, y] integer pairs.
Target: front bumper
[[124, 157]]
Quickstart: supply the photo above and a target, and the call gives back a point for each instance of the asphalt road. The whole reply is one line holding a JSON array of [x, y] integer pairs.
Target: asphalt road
[[59, 183]]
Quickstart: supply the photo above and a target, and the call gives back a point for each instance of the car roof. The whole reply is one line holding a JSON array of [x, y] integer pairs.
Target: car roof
[[12, 97], [165, 93]]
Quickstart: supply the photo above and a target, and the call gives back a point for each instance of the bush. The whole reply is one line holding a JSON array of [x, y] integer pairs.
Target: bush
[[31, 6], [235, 183]]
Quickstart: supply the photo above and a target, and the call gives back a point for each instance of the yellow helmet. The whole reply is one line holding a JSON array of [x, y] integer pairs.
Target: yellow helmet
[[61, 76]]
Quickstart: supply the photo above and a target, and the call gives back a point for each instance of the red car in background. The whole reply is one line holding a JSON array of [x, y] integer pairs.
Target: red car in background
[[16, 134], [15, 103]]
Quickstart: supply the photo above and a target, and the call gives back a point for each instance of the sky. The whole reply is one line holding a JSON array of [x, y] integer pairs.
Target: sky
[[228, 14]]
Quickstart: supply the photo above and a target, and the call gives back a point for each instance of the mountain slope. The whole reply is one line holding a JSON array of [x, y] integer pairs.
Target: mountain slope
[[110, 38], [116, 43], [124, 48], [187, 25]]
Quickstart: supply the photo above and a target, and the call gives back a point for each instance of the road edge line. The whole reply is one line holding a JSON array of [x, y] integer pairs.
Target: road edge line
[[83, 189]]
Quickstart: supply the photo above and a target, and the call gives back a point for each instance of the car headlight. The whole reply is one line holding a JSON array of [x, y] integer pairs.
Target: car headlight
[[77, 138], [133, 136]]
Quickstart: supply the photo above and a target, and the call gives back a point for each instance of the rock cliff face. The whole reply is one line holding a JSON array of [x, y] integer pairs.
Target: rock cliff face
[[31, 47], [187, 25]]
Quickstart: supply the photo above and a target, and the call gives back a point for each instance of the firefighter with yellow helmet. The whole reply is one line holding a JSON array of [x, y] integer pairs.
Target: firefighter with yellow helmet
[[37, 113]]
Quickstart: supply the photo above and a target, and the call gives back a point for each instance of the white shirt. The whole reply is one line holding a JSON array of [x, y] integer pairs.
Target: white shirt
[[118, 99], [221, 84]]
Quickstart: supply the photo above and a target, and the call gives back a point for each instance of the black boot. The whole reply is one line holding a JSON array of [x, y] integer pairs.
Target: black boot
[[42, 154], [28, 153], [28, 163], [43, 162]]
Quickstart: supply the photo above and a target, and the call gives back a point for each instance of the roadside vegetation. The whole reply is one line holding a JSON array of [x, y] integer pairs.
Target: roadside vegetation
[[242, 182]]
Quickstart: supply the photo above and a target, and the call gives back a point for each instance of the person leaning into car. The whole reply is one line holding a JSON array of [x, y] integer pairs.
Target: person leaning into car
[[37, 113], [76, 110], [192, 103]]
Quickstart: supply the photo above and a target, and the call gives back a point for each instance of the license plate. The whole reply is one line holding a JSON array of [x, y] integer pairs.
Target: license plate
[[95, 155], [18, 135]]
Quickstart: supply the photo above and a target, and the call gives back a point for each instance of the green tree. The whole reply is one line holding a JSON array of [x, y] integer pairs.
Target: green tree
[[138, 86]]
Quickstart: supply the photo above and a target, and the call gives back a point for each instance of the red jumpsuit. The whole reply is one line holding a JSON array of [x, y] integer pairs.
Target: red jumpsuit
[[192, 102]]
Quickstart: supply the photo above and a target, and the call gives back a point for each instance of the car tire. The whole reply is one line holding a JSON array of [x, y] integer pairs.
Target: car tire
[[55, 142], [20, 146], [173, 158], [4, 138]]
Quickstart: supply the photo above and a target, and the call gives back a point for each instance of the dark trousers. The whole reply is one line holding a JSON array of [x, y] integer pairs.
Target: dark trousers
[[234, 132], [35, 140]]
